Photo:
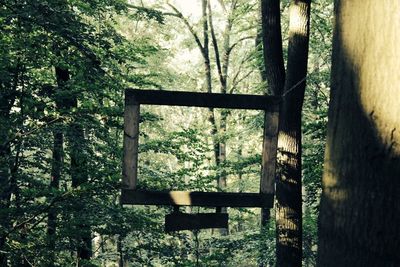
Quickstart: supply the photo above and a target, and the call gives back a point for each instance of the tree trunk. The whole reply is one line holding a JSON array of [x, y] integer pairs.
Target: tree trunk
[[79, 175], [56, 167], [272, 46], [5, 185], [274, 68], [62, 78], [8, 94], [288, 185], [222, 67], [360, 211]]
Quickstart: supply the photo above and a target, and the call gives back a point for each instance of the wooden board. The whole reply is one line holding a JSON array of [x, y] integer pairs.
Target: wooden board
[[210, 100], [131, 142], [203, 199], [183, 221], [269, 152]]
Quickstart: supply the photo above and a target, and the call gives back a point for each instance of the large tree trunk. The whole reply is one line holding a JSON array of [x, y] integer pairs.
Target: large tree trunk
[[288, 185], [360, 211]]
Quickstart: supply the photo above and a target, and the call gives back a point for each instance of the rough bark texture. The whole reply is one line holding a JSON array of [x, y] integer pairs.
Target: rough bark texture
[[272, 46], [274, 69], [288, 185], [360, 211]]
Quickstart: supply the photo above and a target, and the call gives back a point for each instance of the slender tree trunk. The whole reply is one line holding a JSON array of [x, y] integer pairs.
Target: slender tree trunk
[[79, 175], [258, 41], [8, 96], [274, 69], [222, 69], [122, 261], [5, 155], [62, 78], [208, 78], [360, 211], [288, 186], [57, 163]]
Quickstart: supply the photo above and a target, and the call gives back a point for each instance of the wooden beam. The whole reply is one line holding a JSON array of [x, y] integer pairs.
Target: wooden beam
[[183, 221], [131, 141], [210, 100], [270, 145], [202, 199]]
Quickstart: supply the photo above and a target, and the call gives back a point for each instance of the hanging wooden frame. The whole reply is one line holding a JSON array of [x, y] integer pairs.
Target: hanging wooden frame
[[133, 100]]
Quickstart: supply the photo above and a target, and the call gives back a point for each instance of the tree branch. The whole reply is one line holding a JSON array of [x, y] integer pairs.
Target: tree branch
[[179, 14], [215, 45], [238, 41]]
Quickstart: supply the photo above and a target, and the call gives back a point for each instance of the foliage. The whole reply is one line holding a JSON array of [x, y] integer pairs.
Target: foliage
[[106, 46]]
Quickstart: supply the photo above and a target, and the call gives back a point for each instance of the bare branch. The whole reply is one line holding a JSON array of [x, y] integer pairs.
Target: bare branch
[[239, 80], [238, 41], [215, 44], [179, 14], [222, 4]]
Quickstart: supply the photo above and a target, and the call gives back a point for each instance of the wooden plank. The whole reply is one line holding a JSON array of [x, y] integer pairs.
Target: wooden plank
[[183, 221], [269, 152], [210, 100], [203, 199], [131, 141]]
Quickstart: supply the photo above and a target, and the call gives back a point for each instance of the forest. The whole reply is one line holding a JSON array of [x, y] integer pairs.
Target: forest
[[299, 126]]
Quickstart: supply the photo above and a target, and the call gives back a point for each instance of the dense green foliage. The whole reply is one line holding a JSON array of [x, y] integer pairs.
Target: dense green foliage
[[102, 47]]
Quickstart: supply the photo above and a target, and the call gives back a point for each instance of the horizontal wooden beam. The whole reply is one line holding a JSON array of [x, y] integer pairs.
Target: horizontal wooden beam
[[183, 221], [210, 100], [202, 199]]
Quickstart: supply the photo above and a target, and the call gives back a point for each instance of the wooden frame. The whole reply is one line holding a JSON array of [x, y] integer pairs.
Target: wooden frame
[[133, 100]]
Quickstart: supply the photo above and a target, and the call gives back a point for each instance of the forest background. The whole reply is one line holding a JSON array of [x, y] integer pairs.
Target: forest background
[[64, 67]]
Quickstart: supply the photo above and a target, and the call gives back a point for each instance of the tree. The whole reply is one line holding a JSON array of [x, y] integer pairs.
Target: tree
[[291, 86], [62, 67], [359, 214]]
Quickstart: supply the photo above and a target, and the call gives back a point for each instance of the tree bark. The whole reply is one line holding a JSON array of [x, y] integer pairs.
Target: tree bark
[[79, 175], [8, 95], [222, 68], [274, 68], [360, 211], [288, 184], [62, 78], [272, 46], [291, 86], [57, 163]]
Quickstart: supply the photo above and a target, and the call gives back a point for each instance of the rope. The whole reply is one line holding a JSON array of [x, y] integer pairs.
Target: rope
[[294, 86]]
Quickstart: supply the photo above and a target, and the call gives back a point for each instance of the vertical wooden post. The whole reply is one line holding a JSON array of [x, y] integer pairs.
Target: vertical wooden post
[[269, 152], [131, 142]]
